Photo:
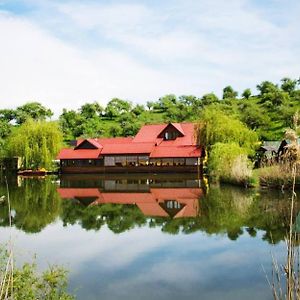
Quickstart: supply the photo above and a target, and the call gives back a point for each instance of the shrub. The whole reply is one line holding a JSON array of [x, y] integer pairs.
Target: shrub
[[25, 283], [228, 162]]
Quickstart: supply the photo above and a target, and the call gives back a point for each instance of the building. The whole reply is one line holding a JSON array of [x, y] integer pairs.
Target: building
[[156, 148]]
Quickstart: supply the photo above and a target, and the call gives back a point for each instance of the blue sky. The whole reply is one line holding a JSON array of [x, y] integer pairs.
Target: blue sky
[[66, 53]]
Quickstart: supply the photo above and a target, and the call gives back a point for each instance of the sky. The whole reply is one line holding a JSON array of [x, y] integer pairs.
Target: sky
[[64, 53]]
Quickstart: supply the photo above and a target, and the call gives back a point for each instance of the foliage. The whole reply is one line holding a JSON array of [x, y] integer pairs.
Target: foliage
[[228, 162], [30, 110], [35, 203], [229, 93], [268, 113], [246, 93], [36, 142], [29, 284], [216, 127]]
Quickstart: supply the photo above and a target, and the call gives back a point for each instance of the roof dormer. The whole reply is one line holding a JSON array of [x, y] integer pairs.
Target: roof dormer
[[171, 132], [88, 144]]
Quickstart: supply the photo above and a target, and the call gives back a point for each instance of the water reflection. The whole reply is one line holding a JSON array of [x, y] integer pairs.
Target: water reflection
[[123, 203], [34, 203], [172, 203], [114, 242]]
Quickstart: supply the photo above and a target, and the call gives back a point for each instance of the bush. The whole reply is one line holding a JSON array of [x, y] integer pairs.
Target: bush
[[228, 162], [25, 283]]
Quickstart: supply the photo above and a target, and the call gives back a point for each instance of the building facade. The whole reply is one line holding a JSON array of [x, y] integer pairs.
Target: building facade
[[156, 148]]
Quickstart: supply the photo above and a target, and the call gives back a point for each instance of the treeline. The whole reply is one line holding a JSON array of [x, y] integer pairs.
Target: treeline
[[268, 112]]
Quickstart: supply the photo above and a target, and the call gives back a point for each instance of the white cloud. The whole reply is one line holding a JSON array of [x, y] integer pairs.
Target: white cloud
[[64, 55]]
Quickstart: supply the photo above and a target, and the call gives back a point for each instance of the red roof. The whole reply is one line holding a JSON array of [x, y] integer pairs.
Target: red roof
[[145, 142], [175, 151], [104, 141], [94, 142], [133, 148], [79, 154], [150, 133]]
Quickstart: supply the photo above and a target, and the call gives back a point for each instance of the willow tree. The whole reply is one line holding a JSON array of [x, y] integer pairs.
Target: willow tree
[[36, 142], [215, 126], [229, 142]]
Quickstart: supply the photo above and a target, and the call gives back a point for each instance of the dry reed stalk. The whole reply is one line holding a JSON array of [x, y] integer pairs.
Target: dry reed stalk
[[6, 283]]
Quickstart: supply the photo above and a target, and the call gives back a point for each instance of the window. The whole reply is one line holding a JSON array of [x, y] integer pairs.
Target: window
[[109, 161], [191, 161], [170, 135]]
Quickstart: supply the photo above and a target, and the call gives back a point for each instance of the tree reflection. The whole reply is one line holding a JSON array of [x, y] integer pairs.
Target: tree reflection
[[34, 204], [224, 210], [117, 217]]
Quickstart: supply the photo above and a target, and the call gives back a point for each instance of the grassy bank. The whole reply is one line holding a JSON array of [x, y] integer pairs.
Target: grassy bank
[[277, 176]]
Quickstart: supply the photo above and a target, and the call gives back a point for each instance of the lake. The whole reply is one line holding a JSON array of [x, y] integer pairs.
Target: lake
[[148, 236]]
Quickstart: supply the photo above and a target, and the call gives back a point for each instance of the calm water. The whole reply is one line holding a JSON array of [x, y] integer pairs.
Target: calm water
[[148, 237]]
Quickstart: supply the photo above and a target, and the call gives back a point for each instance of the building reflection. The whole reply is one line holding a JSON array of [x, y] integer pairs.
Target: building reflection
[[163, 196]]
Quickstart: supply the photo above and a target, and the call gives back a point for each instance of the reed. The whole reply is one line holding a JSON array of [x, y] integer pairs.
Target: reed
[[291, 269], [7, 275]]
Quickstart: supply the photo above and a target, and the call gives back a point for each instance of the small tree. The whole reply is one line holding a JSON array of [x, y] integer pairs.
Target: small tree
[[246, 93], [229, 93]]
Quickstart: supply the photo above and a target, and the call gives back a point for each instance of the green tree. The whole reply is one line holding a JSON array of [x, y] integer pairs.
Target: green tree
[[272, 96], [36, 142], [115, 130], [138, 109], [288, 85], [116, 107], [32, 110], [7, 114], [229, 93], [210, 98], [166, 102], [254, 116], [150, 105], [70, 122], [216, 127], [91, 110], [246, 93]]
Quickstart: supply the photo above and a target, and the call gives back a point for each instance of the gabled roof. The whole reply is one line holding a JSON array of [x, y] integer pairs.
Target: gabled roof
[[270, 145], [177, 126], [92, 142], [150, 133]]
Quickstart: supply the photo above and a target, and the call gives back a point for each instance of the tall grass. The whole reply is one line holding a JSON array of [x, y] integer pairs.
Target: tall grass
[[291, 269]]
